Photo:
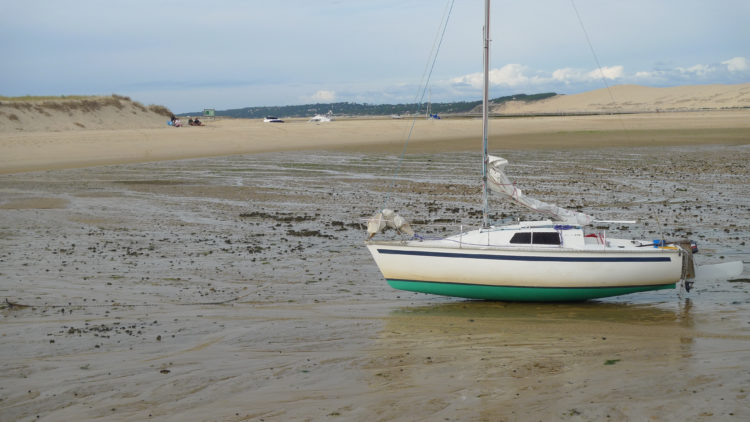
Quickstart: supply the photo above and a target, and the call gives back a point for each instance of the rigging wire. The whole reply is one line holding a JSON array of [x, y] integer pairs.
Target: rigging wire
[[423, 85], [430, 63], [604, 80], [596, 58], [591, 47]]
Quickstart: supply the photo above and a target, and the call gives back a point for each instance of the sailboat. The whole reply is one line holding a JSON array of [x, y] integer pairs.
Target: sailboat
[[556, 259], [429, 108]]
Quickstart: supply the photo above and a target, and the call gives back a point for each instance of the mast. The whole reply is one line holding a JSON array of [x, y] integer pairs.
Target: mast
[[485, 113], [429, 104]]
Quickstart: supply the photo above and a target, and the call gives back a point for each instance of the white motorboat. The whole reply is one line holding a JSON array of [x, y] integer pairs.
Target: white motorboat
[[322, 118]]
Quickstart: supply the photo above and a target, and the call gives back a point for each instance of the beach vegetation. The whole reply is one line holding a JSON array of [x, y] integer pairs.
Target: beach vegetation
[[84, 103], [158, 109], [46, 97]]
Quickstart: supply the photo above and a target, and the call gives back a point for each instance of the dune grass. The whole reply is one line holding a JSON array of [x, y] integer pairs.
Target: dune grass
[[87, 103], [49, 97]]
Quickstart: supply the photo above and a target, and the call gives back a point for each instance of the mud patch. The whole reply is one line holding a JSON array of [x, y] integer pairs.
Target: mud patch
[[176, 294], [34, 204]]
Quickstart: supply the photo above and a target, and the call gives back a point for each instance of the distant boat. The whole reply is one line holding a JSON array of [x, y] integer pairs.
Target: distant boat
[[272, 119], [560, 260], [322, 117], [430, 114]]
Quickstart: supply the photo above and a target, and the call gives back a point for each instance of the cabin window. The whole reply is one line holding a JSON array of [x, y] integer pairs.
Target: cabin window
[[546, 238], [521, 238]]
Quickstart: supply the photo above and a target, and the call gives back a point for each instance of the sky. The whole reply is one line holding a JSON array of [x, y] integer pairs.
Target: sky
[[223, 54]]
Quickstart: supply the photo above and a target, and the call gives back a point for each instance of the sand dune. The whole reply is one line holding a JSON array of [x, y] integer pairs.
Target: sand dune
[[78, 113], [638, 99]]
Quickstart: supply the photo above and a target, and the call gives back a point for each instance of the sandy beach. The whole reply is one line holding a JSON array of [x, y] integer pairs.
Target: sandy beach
[[39, 150], [219, 273]]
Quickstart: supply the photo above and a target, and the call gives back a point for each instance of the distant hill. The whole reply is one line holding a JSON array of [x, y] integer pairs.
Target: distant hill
[[614, 99], [356, 109]]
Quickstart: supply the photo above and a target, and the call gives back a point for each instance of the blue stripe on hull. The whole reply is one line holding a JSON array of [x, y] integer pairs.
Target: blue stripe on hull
[[524, 258], [519, 293]]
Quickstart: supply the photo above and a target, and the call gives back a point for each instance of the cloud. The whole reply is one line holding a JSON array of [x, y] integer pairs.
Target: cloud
[[323, 96], [568, 75], [613, 72], [473, 79], [697, 70], [508, 75], [727, 71], [643, 74], [736, 64]]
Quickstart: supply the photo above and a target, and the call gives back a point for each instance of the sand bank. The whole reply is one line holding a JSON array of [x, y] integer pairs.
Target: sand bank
[[28, 151]]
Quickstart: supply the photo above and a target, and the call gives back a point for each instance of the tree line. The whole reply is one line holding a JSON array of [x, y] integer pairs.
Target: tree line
[[365, 109]]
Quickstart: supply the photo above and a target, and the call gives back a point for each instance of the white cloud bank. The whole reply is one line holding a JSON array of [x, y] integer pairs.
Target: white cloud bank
[[512, 75], [697, 70], [323, 96], [733, 70], [508, 75], [736, 67], [568, 75], [736, 64]]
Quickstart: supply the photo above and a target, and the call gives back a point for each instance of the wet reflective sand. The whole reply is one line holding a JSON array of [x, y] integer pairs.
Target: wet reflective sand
[[238, 288]]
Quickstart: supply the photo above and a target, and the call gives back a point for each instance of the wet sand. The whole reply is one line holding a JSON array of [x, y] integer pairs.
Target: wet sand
[[238, 288]]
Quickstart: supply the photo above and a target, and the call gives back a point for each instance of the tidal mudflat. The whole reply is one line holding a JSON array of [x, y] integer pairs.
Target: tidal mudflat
[[238, 288]]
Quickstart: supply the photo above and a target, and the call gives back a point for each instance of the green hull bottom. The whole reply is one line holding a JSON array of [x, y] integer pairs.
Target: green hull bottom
[[520, 294]]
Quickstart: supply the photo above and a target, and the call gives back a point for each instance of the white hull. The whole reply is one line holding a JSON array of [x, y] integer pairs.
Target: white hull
[[532, 261], [527, 267]]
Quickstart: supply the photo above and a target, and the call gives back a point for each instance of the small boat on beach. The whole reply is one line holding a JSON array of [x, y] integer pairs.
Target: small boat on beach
[[322, 118], [272, 119], [560, 258]]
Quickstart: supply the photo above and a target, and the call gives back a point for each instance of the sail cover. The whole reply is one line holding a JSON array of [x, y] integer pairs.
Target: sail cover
[[499, 182], [386, 219]]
